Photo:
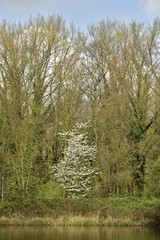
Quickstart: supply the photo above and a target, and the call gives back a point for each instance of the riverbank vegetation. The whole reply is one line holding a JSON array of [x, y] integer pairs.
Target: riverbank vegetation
[[54, 78], [124, 211]]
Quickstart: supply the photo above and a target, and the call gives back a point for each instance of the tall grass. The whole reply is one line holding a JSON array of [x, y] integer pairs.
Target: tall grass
[[72, 221]]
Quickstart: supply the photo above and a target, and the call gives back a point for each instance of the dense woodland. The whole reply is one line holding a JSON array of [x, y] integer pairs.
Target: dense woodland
[[53, 76]]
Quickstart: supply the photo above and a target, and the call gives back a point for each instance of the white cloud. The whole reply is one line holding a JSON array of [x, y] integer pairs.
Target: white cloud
[[151, 6]]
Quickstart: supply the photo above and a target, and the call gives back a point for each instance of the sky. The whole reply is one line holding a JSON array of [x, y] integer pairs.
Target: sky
[[81, 12]]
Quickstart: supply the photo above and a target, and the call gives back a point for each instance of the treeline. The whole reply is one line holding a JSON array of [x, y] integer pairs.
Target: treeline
[[53, 76]]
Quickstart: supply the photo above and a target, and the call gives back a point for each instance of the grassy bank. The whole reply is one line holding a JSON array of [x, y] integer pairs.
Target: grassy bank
[[72, 221], [126, 211]]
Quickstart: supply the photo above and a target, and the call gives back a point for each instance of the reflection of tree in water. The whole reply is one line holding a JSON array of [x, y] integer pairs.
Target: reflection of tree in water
[[79, 233]]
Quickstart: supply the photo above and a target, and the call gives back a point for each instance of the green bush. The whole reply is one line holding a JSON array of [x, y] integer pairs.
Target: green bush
[[153, 186], [50, 190]]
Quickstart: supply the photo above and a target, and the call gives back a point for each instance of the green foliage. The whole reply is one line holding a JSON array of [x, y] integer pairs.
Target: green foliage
[[14, 192], [50, 190], [153, 186]]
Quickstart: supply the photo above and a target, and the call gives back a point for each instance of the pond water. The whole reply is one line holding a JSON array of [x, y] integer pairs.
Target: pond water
[[79, 233]]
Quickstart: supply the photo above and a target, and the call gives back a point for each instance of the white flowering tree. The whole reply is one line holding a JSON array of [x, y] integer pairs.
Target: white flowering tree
[[75, 171]]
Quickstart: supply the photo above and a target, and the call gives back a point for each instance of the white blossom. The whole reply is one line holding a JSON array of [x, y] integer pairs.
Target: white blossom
[[75, 171]]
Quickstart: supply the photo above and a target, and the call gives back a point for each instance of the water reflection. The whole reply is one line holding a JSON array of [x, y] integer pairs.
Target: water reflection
[[78, 233]]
